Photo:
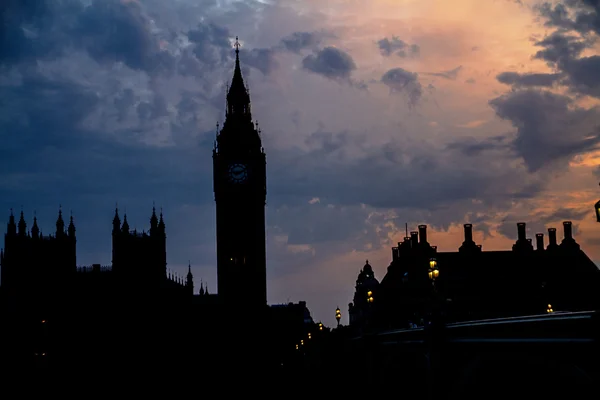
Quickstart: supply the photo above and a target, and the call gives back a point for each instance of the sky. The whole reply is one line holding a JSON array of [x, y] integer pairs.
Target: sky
[[374, 114]]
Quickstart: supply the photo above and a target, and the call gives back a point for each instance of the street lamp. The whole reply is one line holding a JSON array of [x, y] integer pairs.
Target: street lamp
[[549, 309], [338, 316], [369, 296], [433, 271], [320, 326]]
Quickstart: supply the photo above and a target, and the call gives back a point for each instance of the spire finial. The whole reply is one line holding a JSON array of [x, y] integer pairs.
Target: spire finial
[[237, 45]]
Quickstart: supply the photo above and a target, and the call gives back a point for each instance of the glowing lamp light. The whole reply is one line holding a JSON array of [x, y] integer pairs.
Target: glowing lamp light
[[597, 208], [432, 263], [549, 309]]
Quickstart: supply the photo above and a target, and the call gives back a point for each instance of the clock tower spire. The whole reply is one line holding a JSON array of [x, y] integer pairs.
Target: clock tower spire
[[239, 179]]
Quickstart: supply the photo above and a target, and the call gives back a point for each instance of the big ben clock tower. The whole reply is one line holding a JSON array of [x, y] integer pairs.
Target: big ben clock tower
[[240, 186]]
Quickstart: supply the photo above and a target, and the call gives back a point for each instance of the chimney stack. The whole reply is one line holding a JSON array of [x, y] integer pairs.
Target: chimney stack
[[414, 239], [539, 238], [521, 231], [568, 229], [422, 234], [468, 233], [552, 237]]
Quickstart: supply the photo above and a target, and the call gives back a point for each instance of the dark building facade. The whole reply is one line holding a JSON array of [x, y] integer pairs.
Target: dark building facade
[[240, 187], [366, 291], [135, 311], [34, 265], [473, 284]]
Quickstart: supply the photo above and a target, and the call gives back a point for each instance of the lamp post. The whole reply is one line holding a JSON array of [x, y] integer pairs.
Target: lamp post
[[338, 316], [549, 309], [369, 296], [433, 272]]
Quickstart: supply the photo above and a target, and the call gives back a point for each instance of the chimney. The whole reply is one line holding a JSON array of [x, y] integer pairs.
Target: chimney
[[468, 233], [539, 239], [422, 234], [552, 237], [568, 229], [521, 231], [414, 239]]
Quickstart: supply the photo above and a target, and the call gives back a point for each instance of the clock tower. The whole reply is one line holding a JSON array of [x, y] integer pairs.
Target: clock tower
[[240, 186]]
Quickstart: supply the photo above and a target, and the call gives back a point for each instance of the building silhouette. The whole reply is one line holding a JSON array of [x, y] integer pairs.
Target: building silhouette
[[54, 312], [240, 187], [475, 284]]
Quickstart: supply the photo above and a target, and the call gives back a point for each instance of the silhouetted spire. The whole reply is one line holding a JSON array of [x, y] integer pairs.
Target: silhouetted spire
[[238, 99], [11, 227], [161, 222], [22, 225], [71, 229], [125, 227], [35, 230], [60, 223], [116, 221], [153, 221]]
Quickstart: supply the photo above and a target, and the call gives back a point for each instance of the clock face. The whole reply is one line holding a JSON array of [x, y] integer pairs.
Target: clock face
[[238, 173]]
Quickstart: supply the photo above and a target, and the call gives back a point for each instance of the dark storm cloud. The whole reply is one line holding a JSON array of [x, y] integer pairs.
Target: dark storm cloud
[[330, 62], [299, 41], [387, 47], [578, 24], [110, 31], [262, 59], [402, 81], [211, 43], [30, 29], [579, 15], [345, 170], [528, 80], [551, 129], [473, 147]]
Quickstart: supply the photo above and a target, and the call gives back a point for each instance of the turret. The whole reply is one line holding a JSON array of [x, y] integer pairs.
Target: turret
[[153, 222], [161, 224], [11, 227], [60, 224], [71, 229], [189, 283], [116, 222], [35, 230], [125, 227], [22, 226]]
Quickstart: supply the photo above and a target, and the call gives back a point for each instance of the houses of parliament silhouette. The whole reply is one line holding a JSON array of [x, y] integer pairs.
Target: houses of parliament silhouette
[[56, 313]]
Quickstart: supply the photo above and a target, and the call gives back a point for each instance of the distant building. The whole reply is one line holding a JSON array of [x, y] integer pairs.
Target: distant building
[[366, 291], [474, 284]]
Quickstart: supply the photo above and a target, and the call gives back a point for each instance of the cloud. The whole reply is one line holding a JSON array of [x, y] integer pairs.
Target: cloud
[[450, 74], [387, 47], [551, 129], [299, 41], [330, 62], [530, 79], [402, 81]]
